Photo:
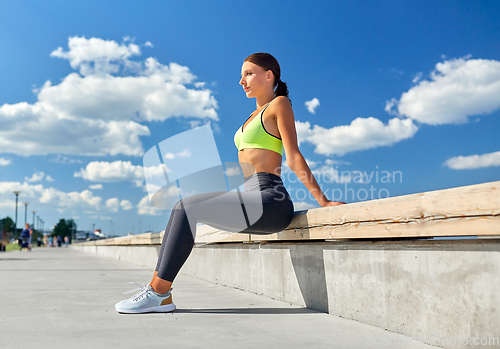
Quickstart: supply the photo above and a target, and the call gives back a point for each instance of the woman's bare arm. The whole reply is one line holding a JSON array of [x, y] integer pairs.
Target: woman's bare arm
[[294, 158]]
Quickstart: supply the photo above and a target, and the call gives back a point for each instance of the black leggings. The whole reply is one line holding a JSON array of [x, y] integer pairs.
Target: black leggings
[[263, 208]]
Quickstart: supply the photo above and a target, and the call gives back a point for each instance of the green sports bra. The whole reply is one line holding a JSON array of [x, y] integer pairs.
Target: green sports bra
[[255, 136]]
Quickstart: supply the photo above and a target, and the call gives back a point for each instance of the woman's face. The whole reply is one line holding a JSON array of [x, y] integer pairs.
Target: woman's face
[[254, 79]]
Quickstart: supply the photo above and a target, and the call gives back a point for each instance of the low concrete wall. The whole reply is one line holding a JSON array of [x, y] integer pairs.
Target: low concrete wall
[[145, 255]]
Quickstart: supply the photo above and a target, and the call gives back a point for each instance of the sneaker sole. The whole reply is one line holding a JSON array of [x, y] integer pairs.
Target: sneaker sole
[[159, 309]]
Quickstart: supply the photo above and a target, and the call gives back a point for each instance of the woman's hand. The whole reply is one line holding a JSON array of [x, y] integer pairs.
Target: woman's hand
[[328, 203]]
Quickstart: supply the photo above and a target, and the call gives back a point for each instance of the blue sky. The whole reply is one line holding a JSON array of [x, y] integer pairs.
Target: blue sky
[[408, 91]]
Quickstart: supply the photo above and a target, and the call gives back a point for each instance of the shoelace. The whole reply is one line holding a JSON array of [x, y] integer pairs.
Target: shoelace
[[143, 290]]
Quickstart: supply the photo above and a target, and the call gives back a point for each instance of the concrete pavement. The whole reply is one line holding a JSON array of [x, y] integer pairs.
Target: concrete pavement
[[62, 298]]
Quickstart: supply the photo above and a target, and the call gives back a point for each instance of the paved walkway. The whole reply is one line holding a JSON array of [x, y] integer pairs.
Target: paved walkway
[[62, 298]]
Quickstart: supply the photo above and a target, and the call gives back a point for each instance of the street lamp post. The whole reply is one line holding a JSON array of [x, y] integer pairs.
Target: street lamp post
[[73, 230], [25, 213], [17, 192], [33, 226]]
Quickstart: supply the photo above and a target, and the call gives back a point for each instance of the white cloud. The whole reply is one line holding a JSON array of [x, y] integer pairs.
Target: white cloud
[[327, 174], [457, 89], [145, 208], [56, 199], [311, 163], [95, 186], [233, 171], [323, 172], [301, 205], [65, 160], [183, 154], [97, 111], [312, 105], [417, 78], [361, 134], [164, 197], [113, 204], [330, 162], [38, 176], [52, 197], [95, 55], [474, 161], [126, 205], [155, 178], [117, 171], [5, 162], [70, 200]]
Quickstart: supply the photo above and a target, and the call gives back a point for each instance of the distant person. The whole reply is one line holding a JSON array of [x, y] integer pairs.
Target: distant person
[[260, 141], [66, 241], [26, 237], [59, 241]]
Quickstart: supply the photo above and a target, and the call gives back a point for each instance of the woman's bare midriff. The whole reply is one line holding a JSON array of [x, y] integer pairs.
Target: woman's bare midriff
[[259, 160]]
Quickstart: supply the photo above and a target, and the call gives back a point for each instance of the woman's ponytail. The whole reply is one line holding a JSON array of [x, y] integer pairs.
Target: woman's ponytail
[[281, 89]]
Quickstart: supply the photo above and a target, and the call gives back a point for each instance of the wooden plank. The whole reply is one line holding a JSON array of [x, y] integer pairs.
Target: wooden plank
[[469, 210], [207, 234], [436, 205], [140, 239], [488, 226]]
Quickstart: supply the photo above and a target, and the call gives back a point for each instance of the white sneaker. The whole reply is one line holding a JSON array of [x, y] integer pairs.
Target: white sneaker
[[146, 301]]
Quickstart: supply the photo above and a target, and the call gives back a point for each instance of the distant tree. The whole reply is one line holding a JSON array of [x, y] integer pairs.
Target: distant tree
[[72, 227], [7, 224], [61, 228], [64, 228]]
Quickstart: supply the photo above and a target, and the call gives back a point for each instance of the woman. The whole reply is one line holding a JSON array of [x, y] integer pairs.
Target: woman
[[268, 131]]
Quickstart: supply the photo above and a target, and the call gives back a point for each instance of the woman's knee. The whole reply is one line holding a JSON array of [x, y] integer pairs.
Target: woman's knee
[[178, 205]]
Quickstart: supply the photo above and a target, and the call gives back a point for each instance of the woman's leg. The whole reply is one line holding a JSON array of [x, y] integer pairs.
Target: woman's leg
[[175, 248], [220, 209], [249, 212], [159, 285], [224, 208]]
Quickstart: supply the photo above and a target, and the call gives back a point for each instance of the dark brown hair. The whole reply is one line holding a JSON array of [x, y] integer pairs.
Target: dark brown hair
[[267, 62]]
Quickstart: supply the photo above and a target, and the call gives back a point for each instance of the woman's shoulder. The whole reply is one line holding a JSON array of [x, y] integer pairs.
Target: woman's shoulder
[[280, 104], [282, 100]]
